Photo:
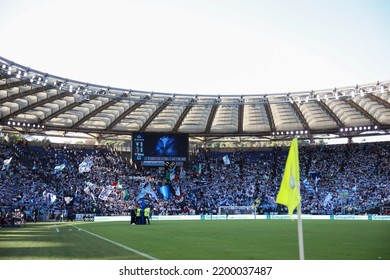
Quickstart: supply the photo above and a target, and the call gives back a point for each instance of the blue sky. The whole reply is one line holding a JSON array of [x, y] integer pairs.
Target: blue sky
[[202, 47]]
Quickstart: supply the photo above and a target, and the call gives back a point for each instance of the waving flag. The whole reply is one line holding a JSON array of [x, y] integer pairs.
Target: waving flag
[[142, 193], [307, 185], [198, 169], [117, 184], [86, 165], [172, 175], [226, 160], [182, 173], [69, 200], [126, 195], [90, 185], [151, 192], [177, 191], [327, 199], [180, 199], [164, 190], [6, 163], [59, 168], [88, 189], [147, 189], [289, 189], [289, 193], [105, 193], [53, 198]]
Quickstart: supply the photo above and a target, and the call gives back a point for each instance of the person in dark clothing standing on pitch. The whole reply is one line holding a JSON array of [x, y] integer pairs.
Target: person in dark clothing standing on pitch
[[133, 216]]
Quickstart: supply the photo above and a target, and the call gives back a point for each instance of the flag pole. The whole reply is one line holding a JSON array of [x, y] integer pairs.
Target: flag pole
[[300, 231], [289, 192]]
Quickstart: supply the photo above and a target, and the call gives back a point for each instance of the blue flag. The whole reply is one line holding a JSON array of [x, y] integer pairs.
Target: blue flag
[[164, 190], [141, 194], [59, 168], [226, 160], [151, 192], [86, 165]]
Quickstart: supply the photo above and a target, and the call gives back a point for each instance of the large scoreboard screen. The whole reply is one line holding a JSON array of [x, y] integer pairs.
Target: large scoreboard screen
[[160, 147]]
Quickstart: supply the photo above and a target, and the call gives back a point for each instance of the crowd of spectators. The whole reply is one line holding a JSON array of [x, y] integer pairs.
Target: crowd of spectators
[[336, 179]]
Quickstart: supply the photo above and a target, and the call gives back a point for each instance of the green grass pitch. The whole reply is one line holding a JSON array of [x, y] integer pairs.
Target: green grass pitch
[[197, 240]]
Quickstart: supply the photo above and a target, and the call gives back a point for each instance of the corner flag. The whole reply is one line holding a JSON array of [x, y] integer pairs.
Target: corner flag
[[289, 189]]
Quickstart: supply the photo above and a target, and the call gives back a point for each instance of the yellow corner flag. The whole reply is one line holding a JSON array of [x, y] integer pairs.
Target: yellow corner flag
[[289, 188]]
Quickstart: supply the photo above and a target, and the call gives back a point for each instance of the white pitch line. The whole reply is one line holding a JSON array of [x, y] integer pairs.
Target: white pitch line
[[120, 245], [57, 230]]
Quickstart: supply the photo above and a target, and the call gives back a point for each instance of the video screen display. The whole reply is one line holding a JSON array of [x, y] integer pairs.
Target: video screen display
[[159, 147]]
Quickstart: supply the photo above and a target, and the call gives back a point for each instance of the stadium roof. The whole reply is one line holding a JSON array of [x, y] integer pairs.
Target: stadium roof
[[40, 103]]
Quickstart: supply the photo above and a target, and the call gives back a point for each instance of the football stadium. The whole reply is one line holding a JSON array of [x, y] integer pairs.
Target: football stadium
[[97, 172], [178, 156]]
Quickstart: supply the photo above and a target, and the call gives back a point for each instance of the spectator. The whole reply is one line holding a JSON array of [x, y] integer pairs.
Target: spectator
[[336, 179]]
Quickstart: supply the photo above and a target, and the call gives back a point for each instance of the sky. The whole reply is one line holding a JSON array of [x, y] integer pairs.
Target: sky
[[202, 46]]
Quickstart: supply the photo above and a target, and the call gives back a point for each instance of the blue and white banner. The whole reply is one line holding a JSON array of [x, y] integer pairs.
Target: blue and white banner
[[164, 190], [90, 185], [182, 173], [226, 160], [86, 165], [147, 189], [142, 193], [89, 192], [151, 192], [105, 193], [327, 199], [177, 191], [59, 168]]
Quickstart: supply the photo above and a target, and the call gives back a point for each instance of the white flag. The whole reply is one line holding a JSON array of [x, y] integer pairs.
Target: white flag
[[6, 163], [327, 199], [105, 193], [86, 165], [226, 160]]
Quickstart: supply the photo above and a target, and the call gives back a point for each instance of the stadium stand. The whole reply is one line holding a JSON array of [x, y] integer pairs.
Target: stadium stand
[[336, 179]]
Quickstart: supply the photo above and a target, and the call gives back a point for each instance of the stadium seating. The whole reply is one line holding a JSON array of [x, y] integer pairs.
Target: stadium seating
[[335, 179]]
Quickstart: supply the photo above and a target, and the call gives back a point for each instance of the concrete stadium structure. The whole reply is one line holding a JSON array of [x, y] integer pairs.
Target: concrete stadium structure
[[33, 102]]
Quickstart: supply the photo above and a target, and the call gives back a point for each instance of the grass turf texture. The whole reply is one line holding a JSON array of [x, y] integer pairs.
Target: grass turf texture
[[198, 240]]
